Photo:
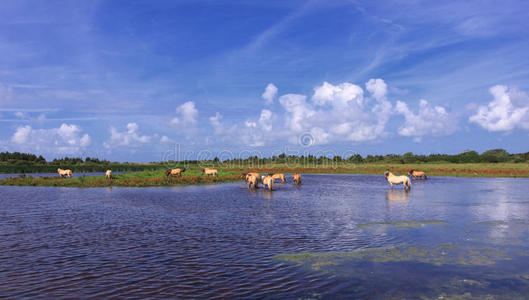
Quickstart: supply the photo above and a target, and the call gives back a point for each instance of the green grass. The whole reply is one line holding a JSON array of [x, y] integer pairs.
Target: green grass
[[138, 179]]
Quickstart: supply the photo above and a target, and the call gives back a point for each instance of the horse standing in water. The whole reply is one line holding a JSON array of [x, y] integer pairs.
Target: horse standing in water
[[280, 176], [175, 172], [253, 181], [417, 174], [65, 173], [268, 181], [210, 172], [393, 179], [296, 178]]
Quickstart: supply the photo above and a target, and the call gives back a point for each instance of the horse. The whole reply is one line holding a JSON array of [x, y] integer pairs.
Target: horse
[[393, 179], [279, 176], [65, 173], [417, 174], [208, 172], [268, 181], [175, 172], [296, 178], [253, 181], [247, 175], [108, 174]]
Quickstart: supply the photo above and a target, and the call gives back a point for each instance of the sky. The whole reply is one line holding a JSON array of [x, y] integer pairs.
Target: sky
[[155, 80]]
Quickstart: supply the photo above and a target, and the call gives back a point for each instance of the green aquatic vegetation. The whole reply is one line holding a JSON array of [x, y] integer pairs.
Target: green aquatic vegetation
[[442, 254], [402, 223]]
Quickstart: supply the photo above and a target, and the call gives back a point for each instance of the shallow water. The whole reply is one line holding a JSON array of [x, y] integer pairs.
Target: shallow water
[[336, 236]]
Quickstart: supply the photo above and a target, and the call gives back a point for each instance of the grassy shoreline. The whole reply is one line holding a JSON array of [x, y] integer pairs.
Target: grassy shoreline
[[192, 176]]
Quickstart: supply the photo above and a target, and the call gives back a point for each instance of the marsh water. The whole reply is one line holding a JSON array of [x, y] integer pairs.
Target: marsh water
[[335, 236]]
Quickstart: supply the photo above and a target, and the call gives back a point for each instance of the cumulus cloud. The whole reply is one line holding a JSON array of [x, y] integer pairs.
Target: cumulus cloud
[[269, 93], [334, 113], [508, 110], [215, 122], [434, 121], [130, 137], [187, 113], [67, 139]]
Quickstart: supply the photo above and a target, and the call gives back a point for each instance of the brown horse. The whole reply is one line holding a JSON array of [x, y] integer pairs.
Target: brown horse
[[247, 175], [253, 181], [268, 181], [65, 173], [280, 176], [417, 174], [210, 172], [175, 172], [296, 178]]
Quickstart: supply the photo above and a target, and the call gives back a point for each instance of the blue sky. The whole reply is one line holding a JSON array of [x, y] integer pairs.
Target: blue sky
[[129, 80]]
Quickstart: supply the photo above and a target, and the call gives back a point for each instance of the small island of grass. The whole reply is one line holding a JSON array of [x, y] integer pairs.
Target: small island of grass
[[135, 179]]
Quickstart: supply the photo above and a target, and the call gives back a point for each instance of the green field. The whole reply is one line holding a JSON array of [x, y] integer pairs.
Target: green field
[[137, 179]]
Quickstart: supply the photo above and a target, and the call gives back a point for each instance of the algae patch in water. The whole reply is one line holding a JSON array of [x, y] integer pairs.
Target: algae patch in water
[[441, 254], [402, 223]]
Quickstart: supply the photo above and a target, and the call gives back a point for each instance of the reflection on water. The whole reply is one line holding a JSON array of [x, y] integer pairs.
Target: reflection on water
[[335, 236]]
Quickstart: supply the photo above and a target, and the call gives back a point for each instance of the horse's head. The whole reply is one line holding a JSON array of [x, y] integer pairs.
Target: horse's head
[[410, 172], [183, 170], [167, 172], [386, 174], [203, 171]]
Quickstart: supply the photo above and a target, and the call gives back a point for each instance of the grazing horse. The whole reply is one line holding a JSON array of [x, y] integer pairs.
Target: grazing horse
[[175, 172], [253, 181], [417, 174], [268, 181], [64, 173], [108, 174], [279, 176], [208, 171], [393, 179], [296, 178]]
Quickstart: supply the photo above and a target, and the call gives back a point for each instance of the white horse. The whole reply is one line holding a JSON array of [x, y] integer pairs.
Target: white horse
[[393, 179], [108, 174]]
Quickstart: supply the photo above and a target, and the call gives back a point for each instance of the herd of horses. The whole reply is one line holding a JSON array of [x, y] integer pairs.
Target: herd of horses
[[253, 179]]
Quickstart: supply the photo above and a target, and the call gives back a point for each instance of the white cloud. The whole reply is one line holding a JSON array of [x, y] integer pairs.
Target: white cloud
[[187, 112], [433, 121], [378, 88], [218, 128], [508, 110], [164, 139], [335, 113], [67, 139], [298, 112], [131, 137], [269, 93]]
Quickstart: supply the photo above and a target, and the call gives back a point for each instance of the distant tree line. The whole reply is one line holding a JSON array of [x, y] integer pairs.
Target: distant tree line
[[17, 162], [490, 156]]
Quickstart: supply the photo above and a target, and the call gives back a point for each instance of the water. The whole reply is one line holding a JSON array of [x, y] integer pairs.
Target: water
[[336, 236]]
